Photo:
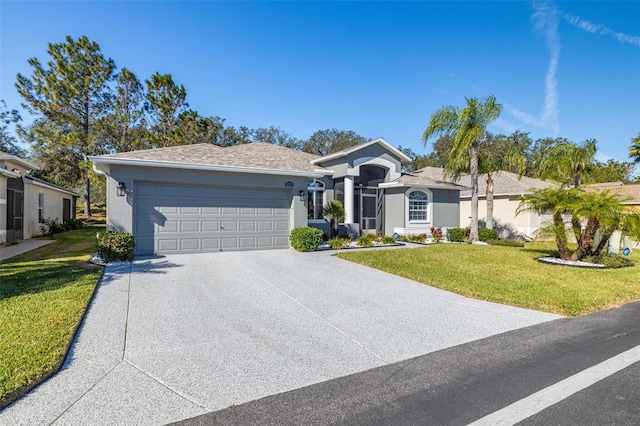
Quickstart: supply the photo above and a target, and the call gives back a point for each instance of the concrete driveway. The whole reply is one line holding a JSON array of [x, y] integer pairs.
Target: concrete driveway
[[171, 338]]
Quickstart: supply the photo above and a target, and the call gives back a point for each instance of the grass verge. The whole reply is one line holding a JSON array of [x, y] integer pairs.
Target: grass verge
[[510, 276], [43, 295]]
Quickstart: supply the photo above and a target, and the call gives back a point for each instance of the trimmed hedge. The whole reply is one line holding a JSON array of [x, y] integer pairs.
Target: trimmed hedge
[[457, 235], [609, 260], [507, 243], [486, 234], [305, 238], [116, 246]]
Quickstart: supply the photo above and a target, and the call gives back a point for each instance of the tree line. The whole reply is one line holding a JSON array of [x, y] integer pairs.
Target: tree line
[[84, 105]]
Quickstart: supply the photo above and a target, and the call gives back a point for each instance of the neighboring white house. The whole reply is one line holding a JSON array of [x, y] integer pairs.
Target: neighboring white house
[[25, 202], [507, 189]]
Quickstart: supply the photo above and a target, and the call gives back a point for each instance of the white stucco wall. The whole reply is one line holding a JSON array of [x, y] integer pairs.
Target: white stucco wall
[[53, 207]]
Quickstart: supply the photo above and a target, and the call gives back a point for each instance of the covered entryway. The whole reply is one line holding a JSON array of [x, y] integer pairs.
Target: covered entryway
[[174, 218]]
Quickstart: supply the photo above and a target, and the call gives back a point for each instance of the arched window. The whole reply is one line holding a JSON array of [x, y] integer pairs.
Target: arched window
[[418, 206]]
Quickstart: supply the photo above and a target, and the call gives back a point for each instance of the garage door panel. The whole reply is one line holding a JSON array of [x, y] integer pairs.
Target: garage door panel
[[247, 225], [168, 245], [170, 226], [204, 218], [189, 226], [265, 225], [189, 244], [228, 243], [264, 242], [210, 243], [281, 225], [281, 241], [189, 210], [210, 226], [165, 209]]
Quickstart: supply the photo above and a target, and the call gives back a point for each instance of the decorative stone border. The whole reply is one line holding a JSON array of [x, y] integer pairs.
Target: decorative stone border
[[573, 263]]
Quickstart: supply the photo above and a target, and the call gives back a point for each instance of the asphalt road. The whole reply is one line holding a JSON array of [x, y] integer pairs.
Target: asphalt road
[[462, 384]]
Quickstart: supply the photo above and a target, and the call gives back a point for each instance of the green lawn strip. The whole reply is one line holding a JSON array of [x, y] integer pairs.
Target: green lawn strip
[[43, 295], [510, 276]]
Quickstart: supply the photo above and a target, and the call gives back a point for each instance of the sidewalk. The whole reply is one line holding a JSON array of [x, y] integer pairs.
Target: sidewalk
[[22, 247]]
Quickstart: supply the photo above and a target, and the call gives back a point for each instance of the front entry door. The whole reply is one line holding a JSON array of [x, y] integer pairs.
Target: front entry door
[[366, 207], [15, 209]]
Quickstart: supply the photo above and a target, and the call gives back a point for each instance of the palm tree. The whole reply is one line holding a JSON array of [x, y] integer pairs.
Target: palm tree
[[559, 202], [601, 210], [468, 128], [634, 149], [335, 212], [568, 162]]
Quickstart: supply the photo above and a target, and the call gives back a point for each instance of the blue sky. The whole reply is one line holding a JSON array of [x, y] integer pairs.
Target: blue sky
[[561, 69]]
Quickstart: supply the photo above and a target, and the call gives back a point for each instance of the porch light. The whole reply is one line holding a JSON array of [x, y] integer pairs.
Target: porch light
[[288, 184], [303, 195], [121, 189]]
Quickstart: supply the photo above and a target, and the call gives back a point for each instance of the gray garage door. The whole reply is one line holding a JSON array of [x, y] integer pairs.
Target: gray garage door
[[173, 218]]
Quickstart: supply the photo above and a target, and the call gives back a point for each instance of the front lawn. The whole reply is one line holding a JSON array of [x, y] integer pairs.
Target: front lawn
[[43, 295], [510, 276]]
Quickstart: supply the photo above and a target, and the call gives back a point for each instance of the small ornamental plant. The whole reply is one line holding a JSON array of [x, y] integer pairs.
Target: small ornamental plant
[[436, 234], [114, 246], [305, 238]]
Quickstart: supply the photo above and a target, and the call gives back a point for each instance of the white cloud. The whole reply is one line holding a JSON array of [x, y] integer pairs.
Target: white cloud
[[546, 19], [590, 27]]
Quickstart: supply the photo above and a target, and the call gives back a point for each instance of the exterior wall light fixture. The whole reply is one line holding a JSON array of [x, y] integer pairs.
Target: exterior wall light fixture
[[121, 189]]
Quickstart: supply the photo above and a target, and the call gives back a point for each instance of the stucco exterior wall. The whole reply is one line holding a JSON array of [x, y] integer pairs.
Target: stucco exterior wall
[[508, 224], [3, 209], [444, 211], [53, 207], [120, 209]]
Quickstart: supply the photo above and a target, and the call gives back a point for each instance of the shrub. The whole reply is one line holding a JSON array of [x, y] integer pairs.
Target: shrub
[[305, 238], [486, 234], [417, 238], [402, 237], [436, 234], [387, 239], [74, 223], [457, 235], [338, 243], [609, 260], [507, 243], [116, 246], [366, 240]]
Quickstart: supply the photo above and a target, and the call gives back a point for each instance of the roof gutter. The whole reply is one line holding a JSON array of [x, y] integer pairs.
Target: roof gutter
[[195, 166]]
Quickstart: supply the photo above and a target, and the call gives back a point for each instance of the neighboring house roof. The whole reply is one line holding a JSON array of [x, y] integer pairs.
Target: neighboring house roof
[[24, 163], [504, 183], [422, 178], [39, 182], [632, 192], [252, 157], [346, 152]]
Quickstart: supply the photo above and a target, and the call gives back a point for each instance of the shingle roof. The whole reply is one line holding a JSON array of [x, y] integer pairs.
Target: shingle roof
[[504, 183], [424, 177], [628, 191], [257, 155]]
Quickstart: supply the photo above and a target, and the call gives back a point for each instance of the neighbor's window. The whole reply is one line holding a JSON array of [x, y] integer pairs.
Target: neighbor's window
[[418, 206], [41, 207]]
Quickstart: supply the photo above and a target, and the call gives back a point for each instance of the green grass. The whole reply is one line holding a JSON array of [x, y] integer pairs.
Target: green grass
[[510, 276], [43, 295]]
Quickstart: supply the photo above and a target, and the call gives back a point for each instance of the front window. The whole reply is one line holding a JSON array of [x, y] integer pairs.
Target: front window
[[41, 207], [418, 206], [315, 198]]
